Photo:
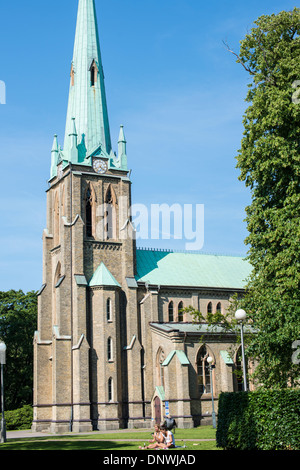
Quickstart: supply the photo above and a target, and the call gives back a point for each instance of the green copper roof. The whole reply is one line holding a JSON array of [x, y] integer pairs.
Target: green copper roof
[[102, 277], [226, 357], [160, 392], [196, 328], [87, 102], [181, 356], [191, 269]]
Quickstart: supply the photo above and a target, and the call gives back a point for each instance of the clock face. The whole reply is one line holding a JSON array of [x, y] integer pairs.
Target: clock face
[[100, 166]]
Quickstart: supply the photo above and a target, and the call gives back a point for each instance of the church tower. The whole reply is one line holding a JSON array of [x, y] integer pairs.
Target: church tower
[[87, 356]]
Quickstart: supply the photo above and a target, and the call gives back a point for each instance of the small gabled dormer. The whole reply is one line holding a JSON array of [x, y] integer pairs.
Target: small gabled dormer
[[94, 72]]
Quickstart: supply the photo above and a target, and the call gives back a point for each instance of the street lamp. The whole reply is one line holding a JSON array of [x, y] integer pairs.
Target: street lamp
[[241, 315], [210, 360], [2, 362]]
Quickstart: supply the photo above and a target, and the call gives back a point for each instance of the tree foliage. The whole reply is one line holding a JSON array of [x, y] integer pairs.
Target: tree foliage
[[269, 161], [260, 420], [18, 316]]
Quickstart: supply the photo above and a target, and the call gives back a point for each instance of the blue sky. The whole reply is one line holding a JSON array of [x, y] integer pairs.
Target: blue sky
[[169, 81]]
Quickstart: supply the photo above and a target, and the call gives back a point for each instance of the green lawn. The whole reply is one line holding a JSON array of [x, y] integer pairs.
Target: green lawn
[[113, 441]]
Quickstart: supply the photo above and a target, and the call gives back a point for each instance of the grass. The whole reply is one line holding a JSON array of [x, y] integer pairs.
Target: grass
[[129, 440]]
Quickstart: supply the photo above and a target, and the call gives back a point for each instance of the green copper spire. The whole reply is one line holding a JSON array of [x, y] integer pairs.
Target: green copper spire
[[87, 131], [87, 99]]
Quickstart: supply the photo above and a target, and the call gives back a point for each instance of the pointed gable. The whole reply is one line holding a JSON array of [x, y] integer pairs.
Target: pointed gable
[[103, 277], [180, 355]]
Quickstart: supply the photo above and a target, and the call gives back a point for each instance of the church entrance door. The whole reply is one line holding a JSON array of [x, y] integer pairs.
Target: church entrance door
[[157, 408]]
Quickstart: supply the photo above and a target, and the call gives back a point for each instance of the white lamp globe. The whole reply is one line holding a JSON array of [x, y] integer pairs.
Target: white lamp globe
[[209, 360], [240, 314]]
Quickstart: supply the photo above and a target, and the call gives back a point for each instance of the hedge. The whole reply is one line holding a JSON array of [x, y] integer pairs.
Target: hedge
[[259, 420], [19, 419]]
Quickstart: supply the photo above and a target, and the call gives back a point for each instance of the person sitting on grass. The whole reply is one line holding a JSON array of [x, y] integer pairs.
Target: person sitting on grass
[[158, 438], [169, 440]]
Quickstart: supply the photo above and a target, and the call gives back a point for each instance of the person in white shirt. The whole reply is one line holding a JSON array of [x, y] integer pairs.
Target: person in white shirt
[[169, 440]]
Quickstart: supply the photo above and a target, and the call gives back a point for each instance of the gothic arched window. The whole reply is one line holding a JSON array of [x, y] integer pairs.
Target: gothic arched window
[[89, 212], [109, 349], [171, 311], [56, 283], [108, 310], [110, 214], [203, 372], [209, 307], [219, 307], [180, 312]]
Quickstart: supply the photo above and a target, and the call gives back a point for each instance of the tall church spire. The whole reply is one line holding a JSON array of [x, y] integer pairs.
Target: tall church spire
[[87, 99]]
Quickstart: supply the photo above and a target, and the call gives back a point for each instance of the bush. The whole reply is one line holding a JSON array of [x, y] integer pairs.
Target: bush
[[260, 420], [19, 419]]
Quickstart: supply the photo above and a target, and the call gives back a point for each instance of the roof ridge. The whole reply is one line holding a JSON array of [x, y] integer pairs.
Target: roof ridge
[[192, 252]]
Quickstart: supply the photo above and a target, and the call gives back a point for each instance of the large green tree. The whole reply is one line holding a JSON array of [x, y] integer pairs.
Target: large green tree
[[18, 316], [269, 161]]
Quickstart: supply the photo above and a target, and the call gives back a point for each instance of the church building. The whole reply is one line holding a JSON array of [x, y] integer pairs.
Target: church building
[[113, 347]]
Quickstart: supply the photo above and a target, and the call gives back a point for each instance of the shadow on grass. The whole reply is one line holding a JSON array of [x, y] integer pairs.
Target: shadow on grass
[[82, 445], [67, 445]]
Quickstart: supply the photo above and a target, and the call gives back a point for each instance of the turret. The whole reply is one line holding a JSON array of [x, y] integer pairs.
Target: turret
[[122, 156], [54, 157], [73, 154]]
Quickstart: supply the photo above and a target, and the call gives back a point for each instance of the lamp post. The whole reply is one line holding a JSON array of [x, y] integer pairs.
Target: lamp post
[[210, 360], [2, 362], [241, 315]]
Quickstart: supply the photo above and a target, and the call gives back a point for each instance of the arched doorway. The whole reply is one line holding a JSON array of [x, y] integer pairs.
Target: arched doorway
[[157, 405]]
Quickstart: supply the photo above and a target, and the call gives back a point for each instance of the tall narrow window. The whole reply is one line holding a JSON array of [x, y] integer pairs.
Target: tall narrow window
[[93, 76], [88, 213], [110, 389], [219, 308], [180, 312], [171, 311], [63, 210], [57, 277], [203, 372], [109, 349], [209, 307], [160, 357], [108, 310], [110, 214], [56, 220]]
